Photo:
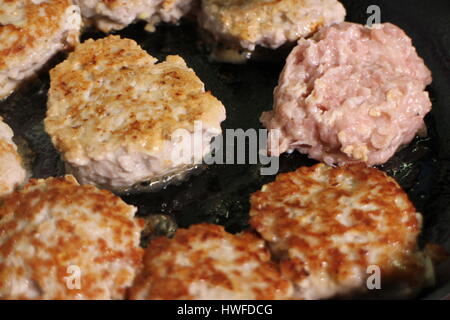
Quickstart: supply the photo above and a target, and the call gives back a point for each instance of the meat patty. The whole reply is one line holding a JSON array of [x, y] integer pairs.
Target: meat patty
[[350, 94], [120, 118], [31, 32], [250, 23], [12, 174], [109, 15], [173, 10], [205, 262], [329, 227], [59, 240]]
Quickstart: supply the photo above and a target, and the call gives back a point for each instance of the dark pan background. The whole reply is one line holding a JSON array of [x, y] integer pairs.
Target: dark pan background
[[220, 193]]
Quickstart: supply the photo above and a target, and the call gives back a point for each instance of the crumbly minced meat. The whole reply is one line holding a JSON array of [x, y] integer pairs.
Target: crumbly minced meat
[[206, 262], [350, 94], [114, 113], [31, 32], [328, 225], [55, 232], [248, 23]]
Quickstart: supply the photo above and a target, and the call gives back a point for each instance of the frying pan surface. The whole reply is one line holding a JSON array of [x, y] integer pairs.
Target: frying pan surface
[[220, 193]]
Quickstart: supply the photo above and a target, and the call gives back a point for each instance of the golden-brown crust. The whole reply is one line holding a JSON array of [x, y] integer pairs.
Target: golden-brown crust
[[31, 31], [256, 21], [206, 256], [338, 221], [53, 224], [118, 4], [24, 34], [110, 94]]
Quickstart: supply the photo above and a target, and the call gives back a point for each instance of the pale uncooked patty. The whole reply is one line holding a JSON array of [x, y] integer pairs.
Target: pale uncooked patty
[[31, 32], [350, 94], [328, 225], [53, 229]]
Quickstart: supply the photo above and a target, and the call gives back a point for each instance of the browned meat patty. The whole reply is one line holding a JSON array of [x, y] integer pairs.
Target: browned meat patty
[[329, 226]]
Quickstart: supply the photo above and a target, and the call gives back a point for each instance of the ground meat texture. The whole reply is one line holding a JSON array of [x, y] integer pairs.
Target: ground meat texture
[[206, 262], [350, 94], [250, 23], [54, 229], [119, 118], [110, 15], [12, 173], [172, 11], [328, 225], [31, 32]]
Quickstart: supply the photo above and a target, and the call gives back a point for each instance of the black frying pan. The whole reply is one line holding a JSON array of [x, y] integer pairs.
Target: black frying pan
[[220, 193]]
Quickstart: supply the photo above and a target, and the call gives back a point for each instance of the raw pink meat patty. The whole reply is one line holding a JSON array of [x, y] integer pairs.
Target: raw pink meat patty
[[350, 94]]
